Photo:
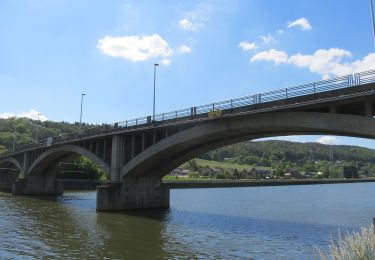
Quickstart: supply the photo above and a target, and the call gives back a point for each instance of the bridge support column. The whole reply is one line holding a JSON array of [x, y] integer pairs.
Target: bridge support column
[[38, 185], [7, 177], [132, 194]]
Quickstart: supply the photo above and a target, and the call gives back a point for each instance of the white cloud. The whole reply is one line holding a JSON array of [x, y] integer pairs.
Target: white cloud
[[166, 62], [135, 48], [327, 62], [281, 31], [276, 56], [196, 19], [188, 25], [247, 46], [183, 49], [328, 139], [32, 114], [302, 23], [267, 38]]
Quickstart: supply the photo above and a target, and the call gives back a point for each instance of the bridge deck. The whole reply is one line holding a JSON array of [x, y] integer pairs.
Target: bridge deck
[[314, 97]]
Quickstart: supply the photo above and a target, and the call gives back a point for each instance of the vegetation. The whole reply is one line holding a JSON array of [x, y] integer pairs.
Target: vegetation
[[282, 156], [23, 131], [357, 245]]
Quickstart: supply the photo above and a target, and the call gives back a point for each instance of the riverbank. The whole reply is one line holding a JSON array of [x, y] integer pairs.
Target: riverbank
[[76, 184], [179, 184]]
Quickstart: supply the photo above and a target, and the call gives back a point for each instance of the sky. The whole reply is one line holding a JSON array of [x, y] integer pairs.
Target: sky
[[208, 50]]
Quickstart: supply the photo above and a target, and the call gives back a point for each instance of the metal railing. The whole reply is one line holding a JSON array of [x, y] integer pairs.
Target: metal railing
[[187, 113]]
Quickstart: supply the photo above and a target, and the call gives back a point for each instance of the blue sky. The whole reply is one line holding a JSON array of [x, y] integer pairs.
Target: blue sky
[[208, 50]]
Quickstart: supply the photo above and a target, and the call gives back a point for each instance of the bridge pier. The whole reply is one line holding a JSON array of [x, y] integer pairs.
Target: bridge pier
[[133, 193], [38, 185], [7, 178]]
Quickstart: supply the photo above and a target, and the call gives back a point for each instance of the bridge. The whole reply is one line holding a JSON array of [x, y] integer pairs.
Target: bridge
[[137, 153]]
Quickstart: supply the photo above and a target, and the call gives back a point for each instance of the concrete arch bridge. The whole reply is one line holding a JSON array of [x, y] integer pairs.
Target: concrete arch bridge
[[136, 154]]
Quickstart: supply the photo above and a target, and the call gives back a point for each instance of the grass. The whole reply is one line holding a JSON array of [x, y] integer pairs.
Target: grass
[[223, 165], [352, 246]]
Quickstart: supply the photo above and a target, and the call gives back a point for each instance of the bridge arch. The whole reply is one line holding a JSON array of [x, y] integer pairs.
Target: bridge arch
[[166, 155], [11, 161], [48, 159]]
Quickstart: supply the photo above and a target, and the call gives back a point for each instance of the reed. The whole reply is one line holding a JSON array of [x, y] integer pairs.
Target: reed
[[352, 246]]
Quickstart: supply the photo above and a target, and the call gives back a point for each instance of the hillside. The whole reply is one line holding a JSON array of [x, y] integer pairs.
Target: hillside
[[25, 130]]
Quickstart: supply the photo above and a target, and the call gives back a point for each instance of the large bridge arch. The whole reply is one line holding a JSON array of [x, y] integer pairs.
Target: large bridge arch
[[50, 157], [161, 158]]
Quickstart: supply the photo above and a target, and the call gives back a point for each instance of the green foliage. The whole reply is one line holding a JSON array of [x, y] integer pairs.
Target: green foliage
[[82, 168], [309, 157], [23, 131], [192, 165]]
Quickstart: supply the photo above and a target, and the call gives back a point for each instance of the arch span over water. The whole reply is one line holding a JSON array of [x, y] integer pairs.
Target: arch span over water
[[166, 155]]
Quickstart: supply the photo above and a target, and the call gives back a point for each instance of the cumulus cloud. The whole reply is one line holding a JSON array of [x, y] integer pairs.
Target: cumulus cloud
[[276, 56], [32, 114], [328, 139], [166, 62], [247, 46], [266, 38], [302, 23], [327, 62], [188, 25], [135, 48], [184, 49]]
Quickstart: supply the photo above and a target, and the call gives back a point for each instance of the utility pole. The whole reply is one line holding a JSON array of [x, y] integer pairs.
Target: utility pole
[[14, 138], [331, 160], [373, 20], [37, 129], [153, 108]]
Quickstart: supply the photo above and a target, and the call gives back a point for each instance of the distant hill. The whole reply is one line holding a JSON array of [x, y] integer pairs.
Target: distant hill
[[283, 155], [25, 131]]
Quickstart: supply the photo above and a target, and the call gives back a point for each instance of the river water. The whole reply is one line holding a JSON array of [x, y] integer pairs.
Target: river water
[[287, 222]]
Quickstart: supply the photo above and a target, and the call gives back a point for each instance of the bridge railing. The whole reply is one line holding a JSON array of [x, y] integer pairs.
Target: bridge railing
[[187, 113]]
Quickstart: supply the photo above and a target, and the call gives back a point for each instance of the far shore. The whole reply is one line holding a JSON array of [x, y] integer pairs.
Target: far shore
[[72, 184], [185, 184]]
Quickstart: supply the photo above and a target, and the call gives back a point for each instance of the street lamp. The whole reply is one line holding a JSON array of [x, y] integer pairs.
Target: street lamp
[[153, 111], [373, 19], [14, 138], [37, 128], [80, 118]]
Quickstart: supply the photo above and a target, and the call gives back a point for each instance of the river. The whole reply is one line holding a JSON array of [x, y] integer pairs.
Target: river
[[287, 222]]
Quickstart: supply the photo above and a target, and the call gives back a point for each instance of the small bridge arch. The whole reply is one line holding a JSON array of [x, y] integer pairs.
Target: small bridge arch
[[10, 171], [45, 163]]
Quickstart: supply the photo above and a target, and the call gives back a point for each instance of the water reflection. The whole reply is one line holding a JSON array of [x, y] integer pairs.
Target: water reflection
[[203, 223]]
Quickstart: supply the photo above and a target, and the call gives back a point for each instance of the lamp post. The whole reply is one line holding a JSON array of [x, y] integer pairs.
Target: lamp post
[[14, 138], [373, 19], [37, 129], [80, 117], [153, 111]]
